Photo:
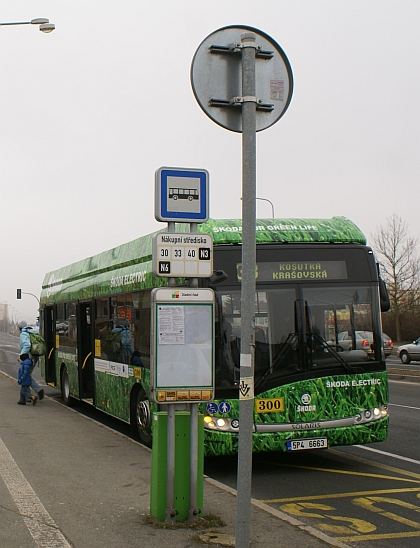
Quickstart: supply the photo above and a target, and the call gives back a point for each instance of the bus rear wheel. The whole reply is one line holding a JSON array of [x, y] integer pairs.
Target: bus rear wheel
[[143, 419]]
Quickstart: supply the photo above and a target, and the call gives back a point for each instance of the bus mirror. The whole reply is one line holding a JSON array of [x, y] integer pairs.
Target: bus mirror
[[217, 277], [383, 292], [384, 297]]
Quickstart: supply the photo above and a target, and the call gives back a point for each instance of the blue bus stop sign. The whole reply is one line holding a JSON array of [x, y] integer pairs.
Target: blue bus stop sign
[[182, 195]]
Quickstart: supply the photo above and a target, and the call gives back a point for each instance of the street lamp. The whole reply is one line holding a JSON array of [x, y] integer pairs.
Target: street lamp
[[20, 293], [4, 316], [44, 24], [12, 320], [271, 203]]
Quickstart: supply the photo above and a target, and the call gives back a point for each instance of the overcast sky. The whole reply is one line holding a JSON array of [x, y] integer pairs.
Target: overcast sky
[[92, 110]]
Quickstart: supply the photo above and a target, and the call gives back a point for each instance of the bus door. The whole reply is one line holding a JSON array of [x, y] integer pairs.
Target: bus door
[[49, 335], [86, 351]]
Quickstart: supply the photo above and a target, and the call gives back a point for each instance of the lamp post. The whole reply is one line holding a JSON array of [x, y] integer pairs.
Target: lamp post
[[270, 202], [12, 324], [25, 293], [4, 314], [19, 294], [44, 24]]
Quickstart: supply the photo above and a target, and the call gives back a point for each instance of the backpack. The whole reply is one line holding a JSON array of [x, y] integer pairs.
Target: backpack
[[38, 345]]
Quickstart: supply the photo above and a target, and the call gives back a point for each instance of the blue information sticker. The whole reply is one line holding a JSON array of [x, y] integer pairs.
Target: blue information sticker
[[212, 408], [224, 407]]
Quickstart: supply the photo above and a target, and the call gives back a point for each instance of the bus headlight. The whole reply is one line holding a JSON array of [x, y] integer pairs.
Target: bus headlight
[[209, 422], [369, 415], [221, 423]]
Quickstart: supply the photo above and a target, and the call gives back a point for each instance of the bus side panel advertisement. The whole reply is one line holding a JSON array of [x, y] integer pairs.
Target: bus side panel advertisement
[[113, 391]]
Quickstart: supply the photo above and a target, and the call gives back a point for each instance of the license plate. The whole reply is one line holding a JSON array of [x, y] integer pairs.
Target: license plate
[[310, 443]]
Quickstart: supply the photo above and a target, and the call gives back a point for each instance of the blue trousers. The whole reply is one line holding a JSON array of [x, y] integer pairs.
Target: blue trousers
[[25, 393], [34, 385]]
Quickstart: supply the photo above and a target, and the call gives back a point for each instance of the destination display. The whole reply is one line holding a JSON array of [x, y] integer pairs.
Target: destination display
[[298, 270]]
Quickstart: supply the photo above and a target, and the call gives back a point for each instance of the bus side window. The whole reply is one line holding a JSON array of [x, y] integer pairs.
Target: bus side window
[[142, 319]]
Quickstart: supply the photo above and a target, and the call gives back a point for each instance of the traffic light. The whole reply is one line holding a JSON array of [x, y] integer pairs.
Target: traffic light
[[19, 293]]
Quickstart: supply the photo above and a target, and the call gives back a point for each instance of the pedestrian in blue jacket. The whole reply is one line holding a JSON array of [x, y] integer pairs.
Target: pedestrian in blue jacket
[[25, 380], [25, 348]]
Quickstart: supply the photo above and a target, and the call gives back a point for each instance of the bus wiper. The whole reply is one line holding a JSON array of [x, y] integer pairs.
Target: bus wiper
[[315, 336], [288, 345], [323, 344]]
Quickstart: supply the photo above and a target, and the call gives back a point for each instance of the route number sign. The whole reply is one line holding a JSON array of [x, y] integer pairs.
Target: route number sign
[[182, 255]]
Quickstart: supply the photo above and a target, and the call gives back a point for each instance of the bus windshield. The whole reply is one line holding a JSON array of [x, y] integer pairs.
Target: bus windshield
[[299, 330]]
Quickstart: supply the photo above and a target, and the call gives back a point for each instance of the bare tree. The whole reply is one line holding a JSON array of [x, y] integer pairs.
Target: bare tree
[[400, 266]]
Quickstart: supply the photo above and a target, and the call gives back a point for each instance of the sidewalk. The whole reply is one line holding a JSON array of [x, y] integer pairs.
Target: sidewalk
[[67, 481]]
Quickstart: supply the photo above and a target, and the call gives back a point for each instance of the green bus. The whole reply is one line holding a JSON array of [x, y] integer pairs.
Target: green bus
[[318, 288]]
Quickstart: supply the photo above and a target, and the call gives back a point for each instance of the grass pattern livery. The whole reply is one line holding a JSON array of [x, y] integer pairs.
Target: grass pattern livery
[[315, 279]]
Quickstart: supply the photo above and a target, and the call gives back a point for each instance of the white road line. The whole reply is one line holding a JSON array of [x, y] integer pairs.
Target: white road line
[[387, 454], [405, 406], [402, 382], [40, 524]]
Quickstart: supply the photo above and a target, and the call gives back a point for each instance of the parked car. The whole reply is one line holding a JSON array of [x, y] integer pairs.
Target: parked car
[[345, 340], [388, 344], [409, 352], [364, 340]]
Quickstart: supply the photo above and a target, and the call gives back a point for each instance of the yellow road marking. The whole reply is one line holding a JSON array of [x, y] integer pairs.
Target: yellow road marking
[[348, 473], [376, 464], [368, 503], [384, 536], [306, 509], [344, 495], [355, 525]]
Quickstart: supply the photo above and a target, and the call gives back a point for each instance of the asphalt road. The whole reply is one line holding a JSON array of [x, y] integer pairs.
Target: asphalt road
[[393, 361]]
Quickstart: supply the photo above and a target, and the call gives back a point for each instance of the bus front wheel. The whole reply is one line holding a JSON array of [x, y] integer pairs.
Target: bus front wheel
[[143, 419], [65, 387]]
